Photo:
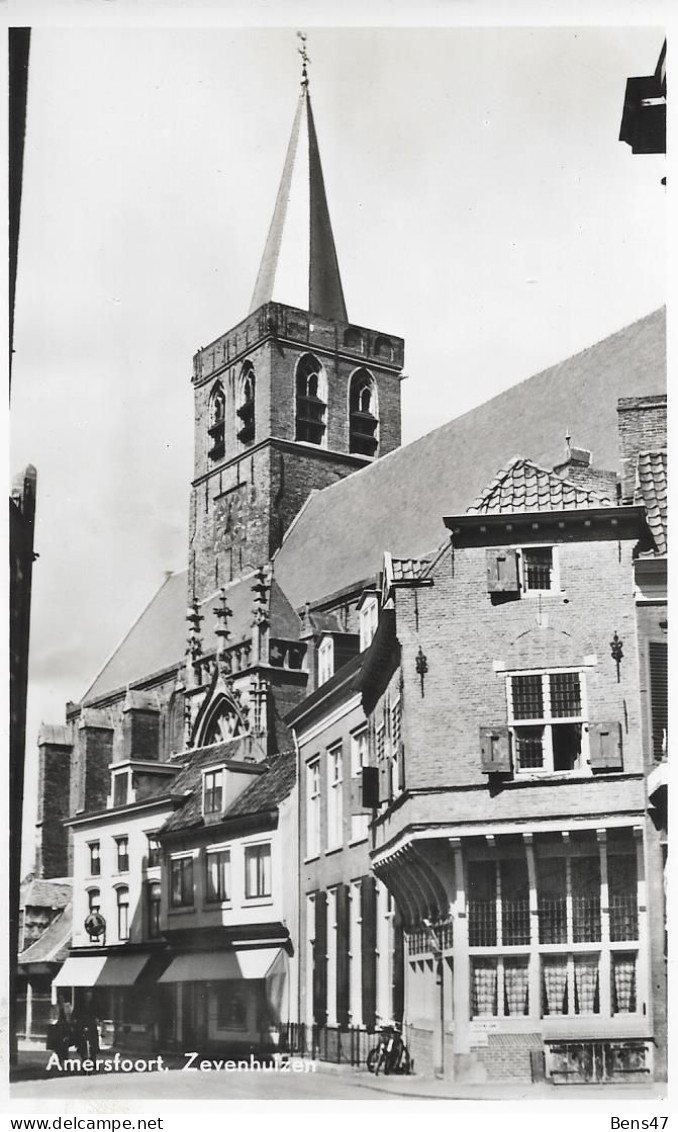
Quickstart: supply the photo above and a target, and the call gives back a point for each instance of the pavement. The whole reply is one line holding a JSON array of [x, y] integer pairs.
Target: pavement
[[32, 1081]]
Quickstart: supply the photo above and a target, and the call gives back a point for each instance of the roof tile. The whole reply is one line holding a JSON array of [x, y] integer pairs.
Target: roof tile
[[651, 491]]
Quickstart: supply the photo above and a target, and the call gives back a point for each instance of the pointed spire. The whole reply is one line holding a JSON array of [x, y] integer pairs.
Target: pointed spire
[[299, 266]]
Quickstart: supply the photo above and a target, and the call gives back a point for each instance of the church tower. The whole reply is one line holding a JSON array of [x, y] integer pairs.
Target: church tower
[[295, 396]]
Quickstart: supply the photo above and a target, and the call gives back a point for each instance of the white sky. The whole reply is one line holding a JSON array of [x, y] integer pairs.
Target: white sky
[[482, 206]]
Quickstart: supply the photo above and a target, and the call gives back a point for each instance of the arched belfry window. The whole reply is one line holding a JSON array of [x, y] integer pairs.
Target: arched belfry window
[[217, 419], [245, 410], [363, 418], [311, 400]]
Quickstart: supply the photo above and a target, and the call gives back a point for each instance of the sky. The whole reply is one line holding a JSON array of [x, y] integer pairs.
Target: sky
[[483, 209]]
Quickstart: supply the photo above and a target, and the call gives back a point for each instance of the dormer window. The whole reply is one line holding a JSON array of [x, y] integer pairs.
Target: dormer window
[[217, 419], [325, 660], [245, 410], [311, 400], [369, 617], [363, 419], [213, 792]]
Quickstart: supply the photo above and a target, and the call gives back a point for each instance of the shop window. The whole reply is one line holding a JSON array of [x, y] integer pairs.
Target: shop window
[[181, 882], [217, 876], [94, 858], [570, 985], [217, 420], [335, 809], [245, 410], [123, 913], [624, 991], [122, 854], [363, 417], [213, 791], [622, 881], [154, 898], [568, 900], [257, 871], [311, 406], [498, 903], [313, 808], [546, 720], [231, 1008], [499, 987]]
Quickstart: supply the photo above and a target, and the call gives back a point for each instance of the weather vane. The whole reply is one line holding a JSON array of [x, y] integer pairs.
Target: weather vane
[[304, 57]]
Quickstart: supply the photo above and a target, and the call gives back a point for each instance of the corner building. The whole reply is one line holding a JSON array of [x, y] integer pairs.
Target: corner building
[[512, 827]]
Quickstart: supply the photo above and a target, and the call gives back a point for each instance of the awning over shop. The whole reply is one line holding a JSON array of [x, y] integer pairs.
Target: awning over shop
[[213, 966], [80, 971], [122, 970], [100, 971]]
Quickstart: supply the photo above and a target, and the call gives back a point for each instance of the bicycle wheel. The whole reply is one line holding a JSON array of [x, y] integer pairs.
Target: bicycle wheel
[[373, 1059]]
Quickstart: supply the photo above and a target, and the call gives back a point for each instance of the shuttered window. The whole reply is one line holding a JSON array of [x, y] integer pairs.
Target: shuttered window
[[659, 696]]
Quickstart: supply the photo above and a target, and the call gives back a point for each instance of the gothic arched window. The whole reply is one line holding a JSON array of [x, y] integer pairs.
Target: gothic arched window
[[222, 724], [217, 420], [311, 402], [245, 408], [363, 414]]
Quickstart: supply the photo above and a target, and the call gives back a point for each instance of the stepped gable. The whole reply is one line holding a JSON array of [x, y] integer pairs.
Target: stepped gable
[[273, 779], [651, 491], [398, 502], [524, 486]]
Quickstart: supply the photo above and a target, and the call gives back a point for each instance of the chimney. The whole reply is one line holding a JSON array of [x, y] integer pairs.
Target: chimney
[[642, 428]]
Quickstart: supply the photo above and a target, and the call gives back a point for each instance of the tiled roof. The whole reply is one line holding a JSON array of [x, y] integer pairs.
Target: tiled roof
[[408, 569], [524, 486], [39, 893], [158, 638], [274, 781], [52, 946], [397, 503], [651, 491]]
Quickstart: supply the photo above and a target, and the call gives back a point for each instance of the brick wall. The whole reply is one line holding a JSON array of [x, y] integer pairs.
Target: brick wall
[[506, 1057], [642, 427], [464, 637]]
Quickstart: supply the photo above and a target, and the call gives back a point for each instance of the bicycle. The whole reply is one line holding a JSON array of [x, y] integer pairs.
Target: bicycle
[[391, 1054]]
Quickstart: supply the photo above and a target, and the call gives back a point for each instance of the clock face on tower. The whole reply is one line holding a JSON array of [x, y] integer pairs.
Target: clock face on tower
[[231, 519]]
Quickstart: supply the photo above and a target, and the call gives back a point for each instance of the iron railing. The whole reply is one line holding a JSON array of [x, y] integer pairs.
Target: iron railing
[[329, 1043]]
